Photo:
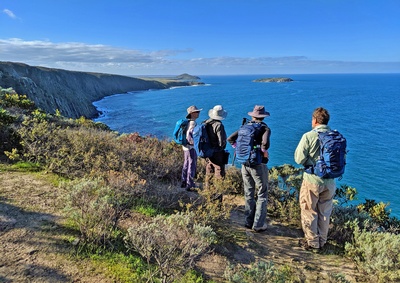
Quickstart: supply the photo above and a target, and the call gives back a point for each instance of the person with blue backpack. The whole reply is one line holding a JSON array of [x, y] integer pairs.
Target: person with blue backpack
[[251, 143], [322, 153], [190, 157]]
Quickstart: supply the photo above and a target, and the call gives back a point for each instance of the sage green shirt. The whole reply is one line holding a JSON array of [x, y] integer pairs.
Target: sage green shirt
[[307, 153]]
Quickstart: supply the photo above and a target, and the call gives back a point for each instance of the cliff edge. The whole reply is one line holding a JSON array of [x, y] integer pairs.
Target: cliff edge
[[71, 92]]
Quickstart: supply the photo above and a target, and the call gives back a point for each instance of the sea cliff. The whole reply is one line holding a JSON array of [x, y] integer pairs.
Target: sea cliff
[[71, 92]]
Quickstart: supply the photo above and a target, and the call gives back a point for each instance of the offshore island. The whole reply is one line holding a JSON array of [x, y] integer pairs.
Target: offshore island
[[273, 80]]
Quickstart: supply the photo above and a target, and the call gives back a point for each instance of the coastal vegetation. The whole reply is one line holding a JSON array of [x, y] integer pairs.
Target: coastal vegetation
[[123, 212]]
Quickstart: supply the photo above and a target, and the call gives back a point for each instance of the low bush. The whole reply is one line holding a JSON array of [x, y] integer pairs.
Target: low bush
[[9, 98], [283, 194], [91, 208], [260, 272], [95, 208], [172, 243], [376, 253]]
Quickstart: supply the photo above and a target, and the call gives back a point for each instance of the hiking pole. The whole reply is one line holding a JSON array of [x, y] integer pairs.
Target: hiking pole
[[244, 120]]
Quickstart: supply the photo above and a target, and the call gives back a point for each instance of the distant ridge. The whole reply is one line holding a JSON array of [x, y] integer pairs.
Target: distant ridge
[[72, 92]]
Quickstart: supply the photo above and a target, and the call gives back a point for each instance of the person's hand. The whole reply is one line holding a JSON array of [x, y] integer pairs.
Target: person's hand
[[266, 154], [233, 145]]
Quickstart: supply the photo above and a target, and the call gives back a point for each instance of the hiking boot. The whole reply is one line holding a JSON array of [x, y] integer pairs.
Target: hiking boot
[[248, 226], [303, 243], [216, 197], [190, 189], [261, 229]]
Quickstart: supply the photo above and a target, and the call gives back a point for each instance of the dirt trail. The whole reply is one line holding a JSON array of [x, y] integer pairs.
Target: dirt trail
[[34, 248]]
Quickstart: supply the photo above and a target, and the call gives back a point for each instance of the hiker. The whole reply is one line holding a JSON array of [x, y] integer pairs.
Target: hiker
[[190, 156], [254, 169], [316, 193], [215, 165]]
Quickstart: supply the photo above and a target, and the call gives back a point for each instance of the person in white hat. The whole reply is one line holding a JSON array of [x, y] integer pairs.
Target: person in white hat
[[215, 165], [190, 157]]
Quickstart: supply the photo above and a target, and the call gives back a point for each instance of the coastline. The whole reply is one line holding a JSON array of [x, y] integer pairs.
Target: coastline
[[71, 92]]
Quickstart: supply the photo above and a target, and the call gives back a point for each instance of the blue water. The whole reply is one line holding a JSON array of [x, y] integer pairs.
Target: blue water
[[364, 108]]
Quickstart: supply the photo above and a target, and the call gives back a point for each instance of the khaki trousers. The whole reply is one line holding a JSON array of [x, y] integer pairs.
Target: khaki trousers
[[316, 202]]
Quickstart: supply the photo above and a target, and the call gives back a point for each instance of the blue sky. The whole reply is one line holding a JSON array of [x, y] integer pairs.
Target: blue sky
[[208, 37]]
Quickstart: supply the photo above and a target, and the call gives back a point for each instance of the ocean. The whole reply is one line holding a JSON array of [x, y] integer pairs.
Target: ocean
[[363, 107]]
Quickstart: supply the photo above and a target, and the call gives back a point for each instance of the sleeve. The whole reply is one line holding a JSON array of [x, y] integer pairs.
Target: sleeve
[[301, 153], [265, 141], [233, 137], [189, 133], [221, 134]]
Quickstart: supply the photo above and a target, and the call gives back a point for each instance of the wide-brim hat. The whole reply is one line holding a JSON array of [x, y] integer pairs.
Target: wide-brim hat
[[217, 113], [258, 112], [192, 109]]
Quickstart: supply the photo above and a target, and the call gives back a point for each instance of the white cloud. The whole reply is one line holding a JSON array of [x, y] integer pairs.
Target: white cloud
[[9, 13], [108, 59]]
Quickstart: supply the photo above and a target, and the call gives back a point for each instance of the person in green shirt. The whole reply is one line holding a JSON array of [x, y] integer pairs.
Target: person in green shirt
[[316, 194]]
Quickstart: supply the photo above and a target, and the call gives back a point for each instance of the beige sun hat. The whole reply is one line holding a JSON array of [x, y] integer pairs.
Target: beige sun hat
[[191, 110], [258, 112], [217, 113]]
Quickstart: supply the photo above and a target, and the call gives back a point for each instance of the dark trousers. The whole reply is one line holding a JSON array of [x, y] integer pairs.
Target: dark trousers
[[215, 167]]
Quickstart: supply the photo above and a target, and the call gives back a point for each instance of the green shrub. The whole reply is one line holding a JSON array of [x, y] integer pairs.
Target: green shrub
[[78, 151], [344, 219], [95, 210], [233, 181], [9, 98], [172, 243], [377, 254], [209, 207], [259, 272], [6, 118], [345, 194], [283, 193], [377, 211]]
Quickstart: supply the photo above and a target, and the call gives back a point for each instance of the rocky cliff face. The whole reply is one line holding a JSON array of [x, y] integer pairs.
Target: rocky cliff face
[[72, 93]]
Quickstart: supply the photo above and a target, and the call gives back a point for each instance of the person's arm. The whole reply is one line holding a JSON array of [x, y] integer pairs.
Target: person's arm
[[222, 137], [265, 141], [189, 133], [301, 154], [232, 138]]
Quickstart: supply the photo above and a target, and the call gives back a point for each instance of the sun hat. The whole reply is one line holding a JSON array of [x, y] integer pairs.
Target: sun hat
[[191, 110], [217, 113], [259, 112]]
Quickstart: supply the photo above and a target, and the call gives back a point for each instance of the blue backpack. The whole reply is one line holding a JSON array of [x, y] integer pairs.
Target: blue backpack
[[179, 134], [201, 141], [248, 152], [332, 157]]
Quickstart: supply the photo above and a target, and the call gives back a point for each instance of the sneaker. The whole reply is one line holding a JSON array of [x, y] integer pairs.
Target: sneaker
[[260, 229]]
